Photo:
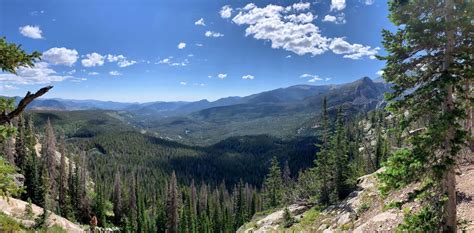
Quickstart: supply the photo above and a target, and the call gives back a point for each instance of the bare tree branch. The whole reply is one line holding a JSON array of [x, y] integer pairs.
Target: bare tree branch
[[6, 118]]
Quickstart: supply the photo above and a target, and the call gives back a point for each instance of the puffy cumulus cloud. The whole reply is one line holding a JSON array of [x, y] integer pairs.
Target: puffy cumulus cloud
[[125, 63], [200, 22], [248, 76], [222, 76], [60, 56], [40, 73], [114, 58], [121, 60], [226, 12], [268, 23], [338, 5], [93, 59], [33, 32], [181, 45], [338, 19], [213, 34], [352, 51], [301, 18], [115, 73], [183, 83], [292, 32], [301, 6], [379, 73], [311, 77]]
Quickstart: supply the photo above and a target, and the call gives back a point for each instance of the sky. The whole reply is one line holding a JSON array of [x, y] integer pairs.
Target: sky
[[186, 50]]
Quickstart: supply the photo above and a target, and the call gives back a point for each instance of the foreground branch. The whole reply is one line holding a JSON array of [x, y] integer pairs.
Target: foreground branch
[[6, 118]]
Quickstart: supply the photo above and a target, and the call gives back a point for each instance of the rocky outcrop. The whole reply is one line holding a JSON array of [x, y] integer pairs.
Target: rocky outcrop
[[365, 210], [16, 209]]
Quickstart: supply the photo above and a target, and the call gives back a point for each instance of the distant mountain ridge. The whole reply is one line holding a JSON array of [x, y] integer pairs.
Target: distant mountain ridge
[[366, 91]]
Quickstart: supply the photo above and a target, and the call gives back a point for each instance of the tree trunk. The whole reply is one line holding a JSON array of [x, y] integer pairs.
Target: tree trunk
[[449, 178]]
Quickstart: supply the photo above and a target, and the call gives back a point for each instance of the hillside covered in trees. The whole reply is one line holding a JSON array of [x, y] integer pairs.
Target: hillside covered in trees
[[236, 163]]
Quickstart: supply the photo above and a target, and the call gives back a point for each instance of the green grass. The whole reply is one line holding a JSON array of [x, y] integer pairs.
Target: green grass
[[8, 224], [310, 216]]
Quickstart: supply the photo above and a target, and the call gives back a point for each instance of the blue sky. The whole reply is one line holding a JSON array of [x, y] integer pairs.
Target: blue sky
[[155, 50]]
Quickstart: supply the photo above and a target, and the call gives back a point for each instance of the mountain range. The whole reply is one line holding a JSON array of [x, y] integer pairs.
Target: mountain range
[[365, 90]]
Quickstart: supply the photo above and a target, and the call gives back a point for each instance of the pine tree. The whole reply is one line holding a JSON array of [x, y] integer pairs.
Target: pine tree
[[49, 160], [117, 197], [20, 144], [63, 202], [288, 219], [323, 160], [172, 205], [273, 184], [429, 63]]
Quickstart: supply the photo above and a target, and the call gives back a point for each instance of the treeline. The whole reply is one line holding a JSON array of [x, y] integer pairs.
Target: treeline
[[350, 148], [53, 178]]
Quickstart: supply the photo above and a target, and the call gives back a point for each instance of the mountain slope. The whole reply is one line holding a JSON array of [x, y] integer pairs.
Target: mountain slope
[[281, 112]]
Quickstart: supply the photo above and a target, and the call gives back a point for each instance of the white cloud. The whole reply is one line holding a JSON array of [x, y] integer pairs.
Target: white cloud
[[294, 33], [338, 19], [379, 73], [209, 76], [41, 73], [267, 23], [301, 18], [199, 45], [248, 76], [165, 61], [170, 62], [213, 34], [226, 12], [312, 77], [7, 87], [60, 56], [181, 45], [115, 73], [200, 84], [183, 83], [288, 56], [352, 51], [33, 32], [71, 72], [369, 2], [190, 55], [93, 59], [121, 60], [200, 22], [93, 73], [299, 6], [338, 5], [222, 76], [114, 58], [125, 63]]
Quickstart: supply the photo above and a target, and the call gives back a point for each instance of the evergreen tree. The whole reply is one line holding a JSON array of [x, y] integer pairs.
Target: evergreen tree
[[172, 205], [117, 197], [63, 202], [288, 219], [429, 63], [323, 161], [273, 184], [49, 160]]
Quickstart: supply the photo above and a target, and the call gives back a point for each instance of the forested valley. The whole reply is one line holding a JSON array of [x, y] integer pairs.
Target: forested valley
[[204, 169]]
